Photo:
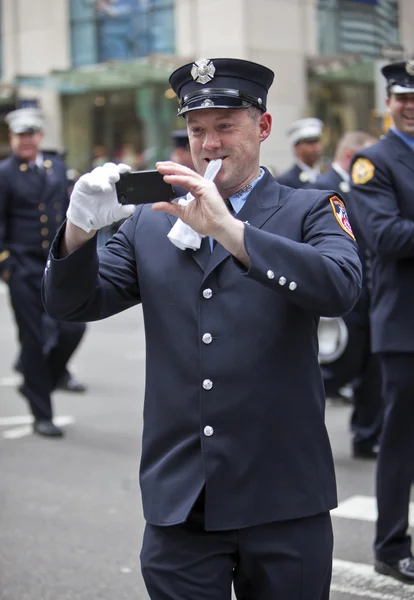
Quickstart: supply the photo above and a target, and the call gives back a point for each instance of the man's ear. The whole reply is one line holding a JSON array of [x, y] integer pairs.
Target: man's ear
[[265, 123]]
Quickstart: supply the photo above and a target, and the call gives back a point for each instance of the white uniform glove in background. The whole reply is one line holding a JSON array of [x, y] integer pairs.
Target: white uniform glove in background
[[181, 234], [93, 202]]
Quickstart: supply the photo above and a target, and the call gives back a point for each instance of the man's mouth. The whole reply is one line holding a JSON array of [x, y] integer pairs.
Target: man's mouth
[[207, 160]]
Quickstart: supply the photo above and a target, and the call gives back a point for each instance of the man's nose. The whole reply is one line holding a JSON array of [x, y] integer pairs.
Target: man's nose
[[211, 141]]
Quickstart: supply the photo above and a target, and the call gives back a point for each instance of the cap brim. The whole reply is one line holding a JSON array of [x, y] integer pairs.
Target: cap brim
[[21, 130], [222, 98], [400, 89]]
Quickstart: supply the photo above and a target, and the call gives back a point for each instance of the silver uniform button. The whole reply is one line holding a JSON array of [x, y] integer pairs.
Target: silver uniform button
[[293, 285], [270, 274], [207, 293], [207, 384], [282, 280], [207, 338], [208, 431]]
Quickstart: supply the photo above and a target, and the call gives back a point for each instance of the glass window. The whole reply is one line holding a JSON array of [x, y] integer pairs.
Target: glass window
[[357, 26], [105, 30]]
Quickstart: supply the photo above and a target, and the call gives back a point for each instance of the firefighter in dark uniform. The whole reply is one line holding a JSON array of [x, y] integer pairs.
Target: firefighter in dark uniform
[[33, 202], [305, 137], [382, 203], [236, 474], [357, 365]]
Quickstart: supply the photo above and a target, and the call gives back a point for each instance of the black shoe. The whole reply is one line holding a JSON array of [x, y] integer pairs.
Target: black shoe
[[403, 570], [365, 452], [69, 384], [47, 429]]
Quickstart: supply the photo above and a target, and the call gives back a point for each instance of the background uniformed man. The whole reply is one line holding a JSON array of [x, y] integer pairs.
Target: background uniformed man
[[181, 154], [382, 202], [236, 472], [357, 365], [305, 137], [33, 202]]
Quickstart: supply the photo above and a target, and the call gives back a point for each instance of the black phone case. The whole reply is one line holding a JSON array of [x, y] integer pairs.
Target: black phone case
[[143, 187]]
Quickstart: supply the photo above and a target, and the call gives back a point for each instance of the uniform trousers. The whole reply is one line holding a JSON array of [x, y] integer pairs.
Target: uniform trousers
[[359, 367], [41, 367], [395, 465], [285, 560]]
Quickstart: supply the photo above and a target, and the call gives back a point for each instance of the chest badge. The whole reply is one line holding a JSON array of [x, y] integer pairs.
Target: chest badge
[[362, 171]]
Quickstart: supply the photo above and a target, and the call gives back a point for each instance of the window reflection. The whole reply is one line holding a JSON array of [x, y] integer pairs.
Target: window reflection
[[105, 30], [357, 26]]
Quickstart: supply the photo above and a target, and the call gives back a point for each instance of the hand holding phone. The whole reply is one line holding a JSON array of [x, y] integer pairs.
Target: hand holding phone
[[143, 187]]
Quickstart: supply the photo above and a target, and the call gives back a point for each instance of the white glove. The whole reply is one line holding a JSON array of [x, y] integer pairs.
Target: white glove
[[93, 202], [181, 234]]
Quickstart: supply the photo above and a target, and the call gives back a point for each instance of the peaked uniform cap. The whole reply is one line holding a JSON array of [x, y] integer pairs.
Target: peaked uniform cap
[[400, 77], [180, 138], [221, 83], [304, 129], [25, 120]]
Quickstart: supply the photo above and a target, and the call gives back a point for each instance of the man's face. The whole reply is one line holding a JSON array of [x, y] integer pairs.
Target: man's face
[[26, 145], [401, 109], [309, 151], [233, 135]]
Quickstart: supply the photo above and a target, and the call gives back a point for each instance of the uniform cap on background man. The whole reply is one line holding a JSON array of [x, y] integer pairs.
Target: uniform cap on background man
[[400, 77], [25, 120], [304, 129], [180, 138], [221, 83]]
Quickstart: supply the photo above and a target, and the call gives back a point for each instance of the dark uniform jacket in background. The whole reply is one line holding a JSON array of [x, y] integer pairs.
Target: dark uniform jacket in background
[[332, 180], [292, 178], [382, 211], [25, 241], [227, 348]]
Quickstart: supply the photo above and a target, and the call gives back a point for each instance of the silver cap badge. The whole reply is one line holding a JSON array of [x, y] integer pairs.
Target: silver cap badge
[[409, 67], [203, 70]]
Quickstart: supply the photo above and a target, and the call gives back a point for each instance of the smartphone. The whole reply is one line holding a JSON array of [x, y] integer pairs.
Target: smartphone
[[143, 187]]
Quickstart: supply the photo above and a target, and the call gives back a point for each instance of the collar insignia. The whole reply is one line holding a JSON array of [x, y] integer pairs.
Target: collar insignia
[[409, 67], [203, 70], [345, 187], [243, 191], [303, 176]]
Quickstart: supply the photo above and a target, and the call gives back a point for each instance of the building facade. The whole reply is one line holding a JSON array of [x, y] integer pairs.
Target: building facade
[[99, 68]]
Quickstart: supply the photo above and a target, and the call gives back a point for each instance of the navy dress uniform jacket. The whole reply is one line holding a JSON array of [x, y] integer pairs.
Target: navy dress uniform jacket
[[234, 396], [25, 241], [382, 212], [292, 178], [331, 180]]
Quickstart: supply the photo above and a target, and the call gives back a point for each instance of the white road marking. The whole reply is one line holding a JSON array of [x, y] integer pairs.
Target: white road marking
[[361, 580], [362, 508], [19, 432], [10, 381], [18, 420]]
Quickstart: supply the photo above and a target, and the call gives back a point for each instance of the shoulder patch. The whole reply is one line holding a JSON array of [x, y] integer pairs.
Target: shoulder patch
[[362, 171], [341, 215]]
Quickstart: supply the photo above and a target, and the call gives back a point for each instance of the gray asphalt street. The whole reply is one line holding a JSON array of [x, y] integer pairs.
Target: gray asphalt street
[[70, 513]]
